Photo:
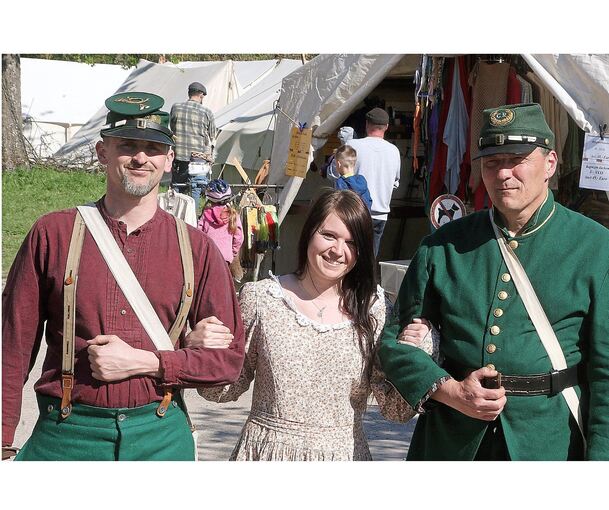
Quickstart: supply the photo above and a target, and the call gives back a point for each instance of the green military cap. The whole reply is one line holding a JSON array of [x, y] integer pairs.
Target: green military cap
[[514, 129], [137, 115]]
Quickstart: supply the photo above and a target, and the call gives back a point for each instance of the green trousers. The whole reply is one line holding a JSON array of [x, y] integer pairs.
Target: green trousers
[[97, 433]]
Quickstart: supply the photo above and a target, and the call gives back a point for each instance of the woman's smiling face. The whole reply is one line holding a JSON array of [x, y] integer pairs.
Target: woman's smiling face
[[331, 252]]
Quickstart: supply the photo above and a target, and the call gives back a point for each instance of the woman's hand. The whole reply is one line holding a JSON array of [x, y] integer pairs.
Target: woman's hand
[[211, 333], [415, 332]]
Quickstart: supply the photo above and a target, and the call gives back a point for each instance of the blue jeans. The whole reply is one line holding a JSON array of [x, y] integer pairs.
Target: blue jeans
[[198, 183], [377, 226]]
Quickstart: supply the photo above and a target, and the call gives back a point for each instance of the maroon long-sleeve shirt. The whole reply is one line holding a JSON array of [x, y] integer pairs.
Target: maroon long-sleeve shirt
[[34, 294]]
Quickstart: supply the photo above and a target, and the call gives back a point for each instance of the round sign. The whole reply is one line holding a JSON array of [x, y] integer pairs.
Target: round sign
[[446, 208]]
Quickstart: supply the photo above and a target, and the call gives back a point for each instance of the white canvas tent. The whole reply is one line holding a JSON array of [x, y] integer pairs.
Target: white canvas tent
[[223, 80], [247, 72], [168, 81], [580, 83], [247, 123], [58, 97], [324, 91]]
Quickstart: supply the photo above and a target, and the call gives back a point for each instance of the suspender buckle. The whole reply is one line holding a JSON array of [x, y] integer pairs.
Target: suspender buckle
[[67, 383], [164, 405]]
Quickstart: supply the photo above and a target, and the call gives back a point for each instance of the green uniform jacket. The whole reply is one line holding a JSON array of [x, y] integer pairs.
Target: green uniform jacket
[[459, 281]]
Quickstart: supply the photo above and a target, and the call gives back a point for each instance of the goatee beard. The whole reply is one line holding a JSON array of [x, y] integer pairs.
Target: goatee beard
[[137, 190]]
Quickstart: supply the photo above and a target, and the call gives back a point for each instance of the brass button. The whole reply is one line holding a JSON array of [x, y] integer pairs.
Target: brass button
[[491, 348], [491, 366], [498, 312], [69, 280], [513, 244], [502, 295], [495, 330], [506, 277]]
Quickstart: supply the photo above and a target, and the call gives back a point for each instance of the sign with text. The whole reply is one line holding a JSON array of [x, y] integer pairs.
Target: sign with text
[[595, 163], [298, 153]]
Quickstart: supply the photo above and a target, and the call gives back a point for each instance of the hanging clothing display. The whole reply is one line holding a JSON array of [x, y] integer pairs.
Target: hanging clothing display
[[428, 81], [489, 90], [466, 163], [438, 171], [260, 228], [451, 94], [558, 120], [573, 148], [514, 88], [418, 113], [455, 133], [526, 90]]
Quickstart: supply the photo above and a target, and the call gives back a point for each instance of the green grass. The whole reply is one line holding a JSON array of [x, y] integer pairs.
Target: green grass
[[28, 194]]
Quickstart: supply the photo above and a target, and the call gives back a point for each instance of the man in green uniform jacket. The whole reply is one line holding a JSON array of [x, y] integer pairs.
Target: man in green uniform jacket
[[458, 280]]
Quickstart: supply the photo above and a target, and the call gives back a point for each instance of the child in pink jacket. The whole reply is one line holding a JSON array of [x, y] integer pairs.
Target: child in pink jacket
[[220, 219]]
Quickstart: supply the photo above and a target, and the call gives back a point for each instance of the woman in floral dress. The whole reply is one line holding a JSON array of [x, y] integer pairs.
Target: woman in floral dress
[[311, 345]]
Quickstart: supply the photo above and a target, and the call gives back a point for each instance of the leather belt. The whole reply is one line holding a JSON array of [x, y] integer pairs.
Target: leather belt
[[550, 383], [537, 384]]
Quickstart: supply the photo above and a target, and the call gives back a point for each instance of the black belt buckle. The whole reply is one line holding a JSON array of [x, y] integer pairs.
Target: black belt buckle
[[492, 383], [559, 381]]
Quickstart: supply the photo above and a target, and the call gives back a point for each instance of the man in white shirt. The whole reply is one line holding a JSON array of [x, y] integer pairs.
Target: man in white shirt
[[379, 162]]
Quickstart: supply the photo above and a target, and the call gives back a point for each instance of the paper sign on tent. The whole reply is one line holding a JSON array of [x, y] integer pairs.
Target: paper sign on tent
[[298, 153], [595, 163]]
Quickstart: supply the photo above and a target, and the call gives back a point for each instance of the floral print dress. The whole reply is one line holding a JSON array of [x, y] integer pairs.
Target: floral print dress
[[309, 390]]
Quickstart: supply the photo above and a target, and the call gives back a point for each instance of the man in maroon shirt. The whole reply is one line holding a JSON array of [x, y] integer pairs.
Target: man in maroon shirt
[[119, 376]]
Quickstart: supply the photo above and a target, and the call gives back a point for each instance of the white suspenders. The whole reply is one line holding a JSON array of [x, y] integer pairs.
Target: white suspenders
[[89, 217]]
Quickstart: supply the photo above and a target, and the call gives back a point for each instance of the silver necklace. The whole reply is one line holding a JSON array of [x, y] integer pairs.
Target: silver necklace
[[320, 311]]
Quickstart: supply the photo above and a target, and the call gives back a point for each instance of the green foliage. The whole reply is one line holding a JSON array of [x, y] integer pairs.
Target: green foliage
[[28, 194], [129, 60]]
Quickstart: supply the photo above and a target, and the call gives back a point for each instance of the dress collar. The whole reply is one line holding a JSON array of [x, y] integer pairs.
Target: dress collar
[[276, 290]]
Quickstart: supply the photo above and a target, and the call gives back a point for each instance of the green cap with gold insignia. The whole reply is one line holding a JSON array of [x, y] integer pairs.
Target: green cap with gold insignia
[[514, 129], [137, 115]]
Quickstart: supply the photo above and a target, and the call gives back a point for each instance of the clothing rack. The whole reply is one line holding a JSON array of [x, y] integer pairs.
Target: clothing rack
[[265, 187]]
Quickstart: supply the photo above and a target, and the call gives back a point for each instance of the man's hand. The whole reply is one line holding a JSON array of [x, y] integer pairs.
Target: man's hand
[[470, 398], [211, 333], [415, 332], [112, 359]]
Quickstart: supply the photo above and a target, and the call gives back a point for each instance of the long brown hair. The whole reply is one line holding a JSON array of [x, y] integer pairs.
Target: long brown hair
[[358, 287]]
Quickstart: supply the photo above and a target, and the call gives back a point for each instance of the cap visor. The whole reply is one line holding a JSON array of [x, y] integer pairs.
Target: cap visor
[[512, 148], [134, 133]]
